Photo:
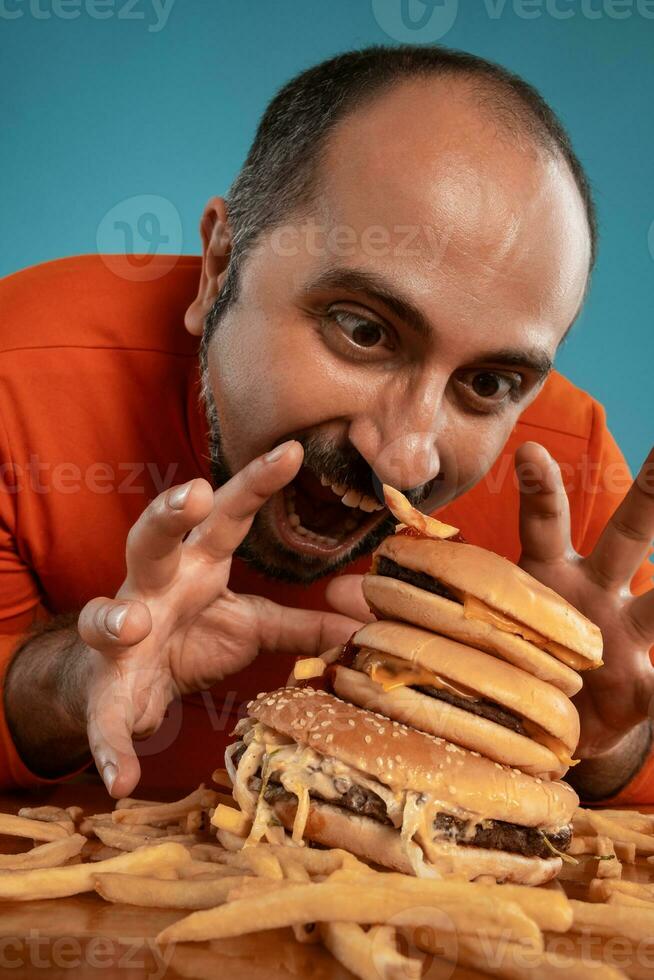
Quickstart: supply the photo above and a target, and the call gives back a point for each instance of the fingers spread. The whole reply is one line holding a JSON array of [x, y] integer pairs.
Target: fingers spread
[[544, 505], [301, 632], [345, 596], [112, 625], [627, 538], [154, 544], [237, 502]]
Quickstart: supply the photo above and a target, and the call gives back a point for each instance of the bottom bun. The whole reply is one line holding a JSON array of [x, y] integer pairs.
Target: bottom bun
[[380, 844]]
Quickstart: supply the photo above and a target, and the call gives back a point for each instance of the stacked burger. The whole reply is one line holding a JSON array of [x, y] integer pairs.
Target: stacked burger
[[435, 741]]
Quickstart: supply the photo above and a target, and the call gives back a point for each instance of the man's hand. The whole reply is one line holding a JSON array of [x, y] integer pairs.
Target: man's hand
[[616, 698], [174, 626]]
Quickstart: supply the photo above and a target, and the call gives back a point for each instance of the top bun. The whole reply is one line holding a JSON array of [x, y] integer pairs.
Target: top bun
[[500, 584], [406, 759]]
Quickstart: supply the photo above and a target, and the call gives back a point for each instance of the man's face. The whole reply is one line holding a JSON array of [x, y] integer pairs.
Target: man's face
[[402, 328]]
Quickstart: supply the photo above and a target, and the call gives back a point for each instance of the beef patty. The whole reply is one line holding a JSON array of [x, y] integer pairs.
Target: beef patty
[[479, 706], [390, 569], [492, 834]]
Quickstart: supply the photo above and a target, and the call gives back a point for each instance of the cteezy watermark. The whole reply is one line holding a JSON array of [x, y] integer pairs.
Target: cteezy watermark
[[427, 21], [147, 225], [153, 14], [416, 21]]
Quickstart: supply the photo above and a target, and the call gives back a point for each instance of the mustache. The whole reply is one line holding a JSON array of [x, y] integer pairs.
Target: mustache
[[344, 464]]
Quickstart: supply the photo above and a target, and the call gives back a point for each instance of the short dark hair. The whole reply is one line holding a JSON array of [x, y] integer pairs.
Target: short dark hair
[[279, 175]]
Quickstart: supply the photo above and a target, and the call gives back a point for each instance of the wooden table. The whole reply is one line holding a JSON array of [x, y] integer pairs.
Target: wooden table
[[85, 937]]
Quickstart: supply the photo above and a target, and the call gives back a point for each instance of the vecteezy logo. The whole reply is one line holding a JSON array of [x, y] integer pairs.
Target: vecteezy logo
[[415, 21], [135, 232]]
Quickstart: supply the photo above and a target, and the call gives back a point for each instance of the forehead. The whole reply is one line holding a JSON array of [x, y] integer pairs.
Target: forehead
[[437, 192]]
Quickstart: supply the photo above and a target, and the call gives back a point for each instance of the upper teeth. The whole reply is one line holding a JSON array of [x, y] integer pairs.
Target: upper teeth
[[352, 498]]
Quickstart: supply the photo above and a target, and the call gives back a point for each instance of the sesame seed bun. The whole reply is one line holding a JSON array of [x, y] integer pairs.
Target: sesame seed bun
[[502, 586], [405, 759]]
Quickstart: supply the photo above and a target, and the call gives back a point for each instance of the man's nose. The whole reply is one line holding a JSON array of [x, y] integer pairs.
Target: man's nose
[[399, 439], [408, 461]]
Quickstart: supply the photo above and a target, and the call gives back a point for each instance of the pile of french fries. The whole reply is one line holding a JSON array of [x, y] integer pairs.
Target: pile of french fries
[[193, 855]]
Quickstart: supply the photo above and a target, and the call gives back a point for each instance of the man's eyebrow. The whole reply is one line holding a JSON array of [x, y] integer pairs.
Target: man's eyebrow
[[375, 286], [534, 359]]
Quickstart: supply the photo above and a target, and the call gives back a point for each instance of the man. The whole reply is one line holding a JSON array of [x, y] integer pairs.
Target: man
[[380, 299]]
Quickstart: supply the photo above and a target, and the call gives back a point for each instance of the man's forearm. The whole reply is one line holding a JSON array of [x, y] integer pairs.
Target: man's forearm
[[602, 776], [44, 706]]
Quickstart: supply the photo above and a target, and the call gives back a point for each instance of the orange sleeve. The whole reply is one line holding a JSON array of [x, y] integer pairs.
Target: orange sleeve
[[19, 609], [607, 481]]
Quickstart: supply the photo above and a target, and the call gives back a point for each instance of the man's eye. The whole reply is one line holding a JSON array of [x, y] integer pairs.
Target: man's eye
[[361, 332], [490, 387]]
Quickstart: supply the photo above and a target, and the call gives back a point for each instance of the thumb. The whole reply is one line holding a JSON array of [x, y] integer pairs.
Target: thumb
[[345, 595], [544, 506], [109, 730]]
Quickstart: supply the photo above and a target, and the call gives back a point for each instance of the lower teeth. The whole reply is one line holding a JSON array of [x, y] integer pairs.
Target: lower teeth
[[294, 521]]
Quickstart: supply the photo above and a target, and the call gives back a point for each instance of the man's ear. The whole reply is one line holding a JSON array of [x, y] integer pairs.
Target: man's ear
[[216, 248]]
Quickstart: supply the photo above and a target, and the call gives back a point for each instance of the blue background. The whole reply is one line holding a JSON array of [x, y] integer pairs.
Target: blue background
[[96, 111]]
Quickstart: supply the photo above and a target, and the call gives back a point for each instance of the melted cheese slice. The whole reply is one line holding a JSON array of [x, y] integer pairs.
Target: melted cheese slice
[[474, 608], [392, 673]]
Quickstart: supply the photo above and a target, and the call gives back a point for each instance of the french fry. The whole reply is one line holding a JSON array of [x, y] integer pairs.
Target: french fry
[[600, 889], [48, 855], [231, 820], [123, 841], [229, 841], [50, 814], [209, 853], [205, 869], [309, 667], [72, 880], [221, 777], [36, 829], [509, 960], [363, 903], [154, 893], [253, 886], [619, 898], [551, 910], [612, 920], [200, 798], [609, 826], [316, 862], [263, 863], [129, 802], [192, 823], [625, 852], [582, 844], [370, 958]]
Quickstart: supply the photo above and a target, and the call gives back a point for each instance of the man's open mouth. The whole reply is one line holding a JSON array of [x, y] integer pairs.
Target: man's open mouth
[[314, 516]]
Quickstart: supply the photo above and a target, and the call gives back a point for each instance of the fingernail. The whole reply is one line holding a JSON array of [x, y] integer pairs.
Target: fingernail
[[278, 451], [115, 618], [177, 497], [109, 774]]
